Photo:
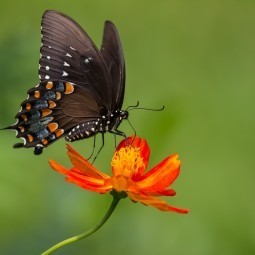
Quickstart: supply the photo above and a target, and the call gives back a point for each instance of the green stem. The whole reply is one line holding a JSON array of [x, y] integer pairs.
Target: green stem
[[87, 233]]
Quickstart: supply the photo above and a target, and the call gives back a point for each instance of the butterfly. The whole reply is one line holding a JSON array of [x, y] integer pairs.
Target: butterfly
[[81, 88]]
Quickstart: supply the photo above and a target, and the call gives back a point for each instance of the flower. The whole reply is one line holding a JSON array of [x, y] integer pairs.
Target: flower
[[129, 174]]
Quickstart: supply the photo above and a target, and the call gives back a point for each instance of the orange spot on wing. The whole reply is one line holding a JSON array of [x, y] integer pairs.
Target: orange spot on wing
[[28, 106], [58, 95], [49, 85], [52, 104], [24, 117], [59, 132], [22, 129], [69, 88], [46, 112], [45, 142], [37, 94], [52, 126], [30, 138]]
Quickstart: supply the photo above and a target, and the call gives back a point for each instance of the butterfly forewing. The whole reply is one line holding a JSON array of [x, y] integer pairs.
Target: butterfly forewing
[[68, 54]]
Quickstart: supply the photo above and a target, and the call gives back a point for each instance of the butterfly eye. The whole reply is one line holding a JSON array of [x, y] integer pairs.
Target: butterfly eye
[[124, 114]]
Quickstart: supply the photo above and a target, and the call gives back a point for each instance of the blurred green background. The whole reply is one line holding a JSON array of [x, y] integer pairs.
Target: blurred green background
[[195, 57]]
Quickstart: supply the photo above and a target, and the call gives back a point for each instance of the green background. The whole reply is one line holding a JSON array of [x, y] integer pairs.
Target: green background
[[195, 57]]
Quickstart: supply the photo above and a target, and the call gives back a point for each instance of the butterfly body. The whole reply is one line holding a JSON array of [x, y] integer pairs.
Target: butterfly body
[[81, 88], [107, 123]]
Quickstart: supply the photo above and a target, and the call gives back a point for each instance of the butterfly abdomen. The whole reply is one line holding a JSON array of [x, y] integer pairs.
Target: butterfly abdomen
[[83, 131], [87, 129]]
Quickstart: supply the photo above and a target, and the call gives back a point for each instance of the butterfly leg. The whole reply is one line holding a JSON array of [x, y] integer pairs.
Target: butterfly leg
[[93, 149], [115, 140], [120, 133], [99, 148]]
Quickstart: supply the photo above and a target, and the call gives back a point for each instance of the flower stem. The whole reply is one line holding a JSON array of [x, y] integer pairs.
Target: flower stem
[[114, 203]]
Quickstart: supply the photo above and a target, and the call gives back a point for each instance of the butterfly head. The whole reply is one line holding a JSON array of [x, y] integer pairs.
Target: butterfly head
[[123, 115]]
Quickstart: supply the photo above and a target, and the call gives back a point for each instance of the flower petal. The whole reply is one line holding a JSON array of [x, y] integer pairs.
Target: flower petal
[[89, 183], [83, 165], [138, 143], [161, 176], [165, 192], [79, 178], [56, 166], [155, 202]]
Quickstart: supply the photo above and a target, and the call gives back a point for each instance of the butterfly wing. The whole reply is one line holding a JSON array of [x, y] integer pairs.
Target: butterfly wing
[[51, 110], [112, 53], [68, 54], [78, 83]]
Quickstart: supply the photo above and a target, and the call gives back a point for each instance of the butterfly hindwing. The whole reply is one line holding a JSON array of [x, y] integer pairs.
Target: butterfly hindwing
[[51, 110], [112, 53]]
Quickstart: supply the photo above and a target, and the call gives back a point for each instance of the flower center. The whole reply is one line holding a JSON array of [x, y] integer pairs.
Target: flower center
[[125, 163]]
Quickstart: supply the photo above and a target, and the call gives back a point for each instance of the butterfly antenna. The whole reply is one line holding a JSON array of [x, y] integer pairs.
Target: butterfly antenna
[[148, 109], [133, 106]]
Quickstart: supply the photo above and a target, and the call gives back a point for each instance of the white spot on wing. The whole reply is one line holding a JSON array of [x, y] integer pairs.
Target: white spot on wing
[[24, 140], [49, 47], [48, 57], [47, 77], [65, 73], [68, 55], [47, 68], [66, 64], [87, 60], [72, 48], [17, 120]]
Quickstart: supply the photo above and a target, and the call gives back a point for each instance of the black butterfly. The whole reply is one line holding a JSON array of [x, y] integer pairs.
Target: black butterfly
[[81, 88]]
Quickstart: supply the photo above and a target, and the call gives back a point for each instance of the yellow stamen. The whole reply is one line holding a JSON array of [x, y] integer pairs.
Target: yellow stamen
[[125, 163], [127, 160]]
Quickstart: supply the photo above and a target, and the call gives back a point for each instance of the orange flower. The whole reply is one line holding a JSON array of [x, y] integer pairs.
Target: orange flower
[[129, 174]]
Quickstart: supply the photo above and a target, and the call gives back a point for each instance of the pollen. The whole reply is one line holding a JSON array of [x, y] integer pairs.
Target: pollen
[[127, 161]]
